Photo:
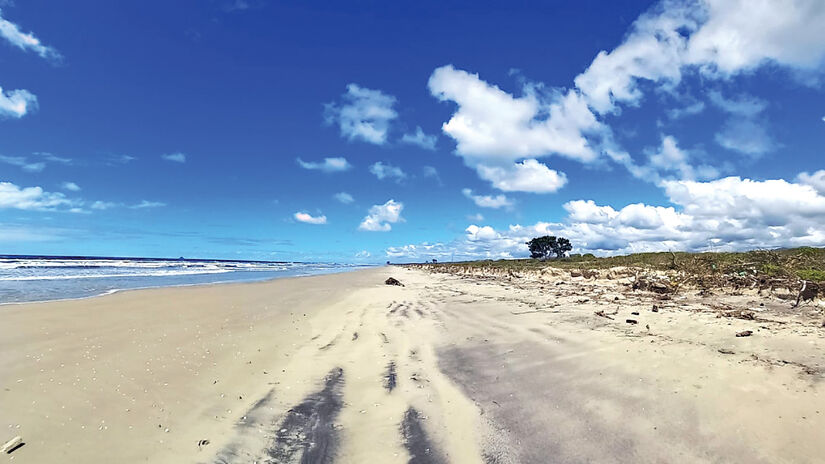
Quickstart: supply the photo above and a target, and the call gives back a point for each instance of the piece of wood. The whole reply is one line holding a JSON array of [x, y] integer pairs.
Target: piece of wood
[[12, 444]]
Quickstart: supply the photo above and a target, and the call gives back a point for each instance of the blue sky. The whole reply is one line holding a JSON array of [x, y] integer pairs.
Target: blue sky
[[405, 131]]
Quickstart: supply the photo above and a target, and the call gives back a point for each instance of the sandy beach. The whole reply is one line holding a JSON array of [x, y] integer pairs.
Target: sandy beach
[[461, 368]]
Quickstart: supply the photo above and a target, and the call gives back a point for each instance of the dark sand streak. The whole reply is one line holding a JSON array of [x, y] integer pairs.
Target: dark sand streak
[[416, 441], [308, 430]]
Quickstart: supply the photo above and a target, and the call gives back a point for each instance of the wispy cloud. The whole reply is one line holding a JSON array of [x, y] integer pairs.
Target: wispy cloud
[[387, 171], [148, 204], [364, 114], [70, 186], [421, 139], [310, 219], [337, 164], [36, 163], [344, 197], [177, 157], [26, 41], [381, 217], [488, 201], [23, 163]]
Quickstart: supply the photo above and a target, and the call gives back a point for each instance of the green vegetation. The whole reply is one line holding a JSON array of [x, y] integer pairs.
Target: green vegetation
[[797, 263], [543, 247]]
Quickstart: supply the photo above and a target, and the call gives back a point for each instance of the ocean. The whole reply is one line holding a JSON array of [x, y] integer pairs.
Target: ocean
[[43, 278]]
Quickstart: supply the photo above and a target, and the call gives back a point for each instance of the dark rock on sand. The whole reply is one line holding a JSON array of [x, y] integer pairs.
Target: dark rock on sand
[[393, 281]]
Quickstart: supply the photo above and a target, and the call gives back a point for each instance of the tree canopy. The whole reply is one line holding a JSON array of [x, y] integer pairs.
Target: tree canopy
[[544, 247]]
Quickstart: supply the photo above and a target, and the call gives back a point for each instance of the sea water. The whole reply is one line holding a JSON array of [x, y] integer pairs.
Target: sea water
[[41, 278]]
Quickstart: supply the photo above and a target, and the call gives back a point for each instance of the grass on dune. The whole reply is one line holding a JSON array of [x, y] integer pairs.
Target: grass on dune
[[805, 263]]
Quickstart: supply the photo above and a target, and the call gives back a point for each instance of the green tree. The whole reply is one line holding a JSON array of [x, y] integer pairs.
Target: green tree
[[544, 247], [562, 246]]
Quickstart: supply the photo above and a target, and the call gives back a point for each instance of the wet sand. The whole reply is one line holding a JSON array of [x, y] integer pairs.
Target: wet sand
[[448, 368]]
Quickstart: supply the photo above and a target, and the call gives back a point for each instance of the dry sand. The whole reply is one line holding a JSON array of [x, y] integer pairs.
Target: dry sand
[[449, 368]]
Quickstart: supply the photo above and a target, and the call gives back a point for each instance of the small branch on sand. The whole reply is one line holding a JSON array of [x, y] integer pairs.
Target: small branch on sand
[[601, 313]]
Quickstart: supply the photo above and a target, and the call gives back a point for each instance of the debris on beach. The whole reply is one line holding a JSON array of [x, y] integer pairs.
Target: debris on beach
[[631, 321], [12, 445], [745, 333], [393, 281], [202, 443]]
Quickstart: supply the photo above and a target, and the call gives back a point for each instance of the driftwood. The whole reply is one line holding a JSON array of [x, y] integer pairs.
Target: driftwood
[[12, 444]]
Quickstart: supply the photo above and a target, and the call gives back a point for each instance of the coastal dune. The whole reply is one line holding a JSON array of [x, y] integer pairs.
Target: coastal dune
[[447, 368]]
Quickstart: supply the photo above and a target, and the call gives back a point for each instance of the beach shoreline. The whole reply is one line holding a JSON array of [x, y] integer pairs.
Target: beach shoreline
[[447, 368]]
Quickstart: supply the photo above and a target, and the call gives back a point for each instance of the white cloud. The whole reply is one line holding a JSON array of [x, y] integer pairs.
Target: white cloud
[[493, 125], [421, 139], [526, 176], [337, 164], [689, 110], [743, 131], [310, 219], [144, 204], [103, 205], [431, 172], [363, 254], [718, 38], [23, 163], [32, 198], [815, 180], [724, 214], [380, 217], [16, 103], [364, 114], [740, 35], [344, 197], [25, 41], [745, 136], [488, 201], [36, 164], [177, 157], [70, 186], [387, 171], [670, 158], [478, 217]]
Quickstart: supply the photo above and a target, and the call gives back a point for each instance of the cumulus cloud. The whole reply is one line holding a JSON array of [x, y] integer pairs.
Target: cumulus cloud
[[815, 180], [387, 171], [337, 164], [363, 114], [381, 217], [70, 186], [720, 39], [493, 125], [16, 103], [25, 41], [310, 219], [725, 214], [177, 157], [421, 139], [526, 176], [344, 197], [488, 201], [33, 199]]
